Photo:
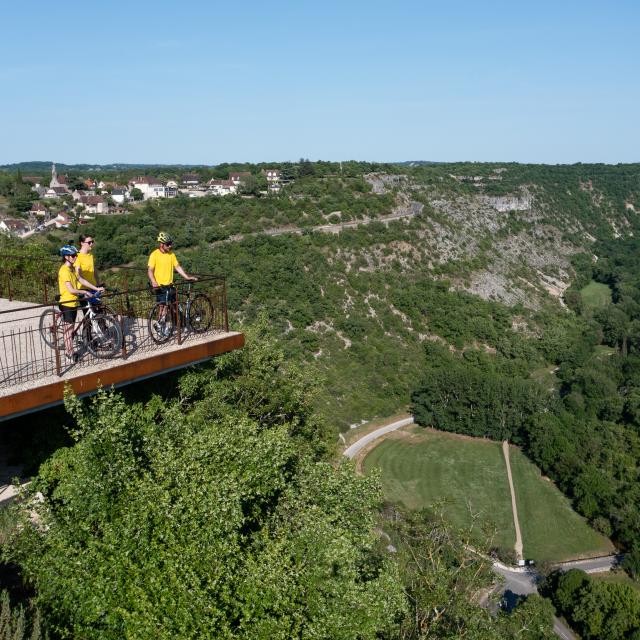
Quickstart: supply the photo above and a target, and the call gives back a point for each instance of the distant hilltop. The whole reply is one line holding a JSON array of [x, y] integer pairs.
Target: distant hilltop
[[45, 165], [41, 166]]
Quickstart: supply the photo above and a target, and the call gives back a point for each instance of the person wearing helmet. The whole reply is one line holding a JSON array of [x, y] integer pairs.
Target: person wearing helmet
[[69, 284], [160, 268], [163, 262]]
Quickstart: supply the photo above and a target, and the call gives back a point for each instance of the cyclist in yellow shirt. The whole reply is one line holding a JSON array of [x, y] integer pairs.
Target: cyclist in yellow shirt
[[160, 268], [85, 264], [69, 284]]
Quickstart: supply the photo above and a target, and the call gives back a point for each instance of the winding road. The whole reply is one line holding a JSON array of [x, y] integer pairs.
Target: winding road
[[414, 210]]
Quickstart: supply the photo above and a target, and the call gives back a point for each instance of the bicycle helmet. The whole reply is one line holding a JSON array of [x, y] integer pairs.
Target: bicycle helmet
[[68, 250], [164, 237]]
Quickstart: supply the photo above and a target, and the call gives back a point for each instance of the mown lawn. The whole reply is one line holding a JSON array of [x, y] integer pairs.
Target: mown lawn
[[551, 529], [596, 295], [467, 476]]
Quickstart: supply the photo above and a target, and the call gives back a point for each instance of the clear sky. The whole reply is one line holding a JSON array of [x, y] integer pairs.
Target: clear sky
[[205, 82]]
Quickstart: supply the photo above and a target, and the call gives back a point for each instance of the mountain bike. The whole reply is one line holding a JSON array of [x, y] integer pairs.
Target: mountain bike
[[194, 311], [97, 331]]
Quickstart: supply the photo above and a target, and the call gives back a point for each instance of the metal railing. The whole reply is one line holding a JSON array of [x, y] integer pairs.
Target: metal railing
[[32, 348]]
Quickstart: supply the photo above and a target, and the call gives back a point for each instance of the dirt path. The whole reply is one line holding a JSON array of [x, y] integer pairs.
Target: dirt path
[[514, 507]]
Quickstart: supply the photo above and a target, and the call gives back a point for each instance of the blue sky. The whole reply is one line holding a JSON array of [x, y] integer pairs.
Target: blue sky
[[209, 82]]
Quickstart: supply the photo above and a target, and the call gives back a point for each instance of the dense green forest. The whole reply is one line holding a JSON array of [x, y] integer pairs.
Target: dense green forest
[[597, 609], [455, 308]]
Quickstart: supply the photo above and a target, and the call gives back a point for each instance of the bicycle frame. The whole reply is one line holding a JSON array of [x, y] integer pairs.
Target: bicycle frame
[[177, 313], [98, 332]]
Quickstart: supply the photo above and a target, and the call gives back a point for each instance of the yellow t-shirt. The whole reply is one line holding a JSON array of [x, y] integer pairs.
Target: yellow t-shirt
[[68, 274], [87, 267], [163, 265]]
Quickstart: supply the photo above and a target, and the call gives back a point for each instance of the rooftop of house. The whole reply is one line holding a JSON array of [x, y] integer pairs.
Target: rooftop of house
[[151, 180], [14, 224], [92, 200]]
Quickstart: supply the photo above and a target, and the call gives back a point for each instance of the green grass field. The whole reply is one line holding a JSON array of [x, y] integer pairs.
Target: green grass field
[[467, 475], [470, 476], [596, 295], [551, 529], [616, 577]]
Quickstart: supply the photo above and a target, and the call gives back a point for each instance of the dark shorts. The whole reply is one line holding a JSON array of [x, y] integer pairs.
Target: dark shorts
[[68, 313], [165, 294]]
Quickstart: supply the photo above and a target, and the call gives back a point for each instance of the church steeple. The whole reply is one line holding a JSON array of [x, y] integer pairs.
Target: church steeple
[[54, 176]]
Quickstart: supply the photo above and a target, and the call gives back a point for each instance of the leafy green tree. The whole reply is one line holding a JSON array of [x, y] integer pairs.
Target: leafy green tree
[[205, 518], [442, 578], [253, 185], [18, 622], [76, 182], [305, 168], [631, 562]]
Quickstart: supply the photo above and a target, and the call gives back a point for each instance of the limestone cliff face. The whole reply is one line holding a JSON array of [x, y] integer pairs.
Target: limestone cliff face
[[513, 248]]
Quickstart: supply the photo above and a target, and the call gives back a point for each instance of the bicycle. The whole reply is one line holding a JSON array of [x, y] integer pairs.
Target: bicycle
[[197, 313], [98, 332]]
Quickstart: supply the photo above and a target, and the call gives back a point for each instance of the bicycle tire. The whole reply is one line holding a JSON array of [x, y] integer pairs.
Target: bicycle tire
[[200, 314], [159, 329], [48, 318], [102, 336]]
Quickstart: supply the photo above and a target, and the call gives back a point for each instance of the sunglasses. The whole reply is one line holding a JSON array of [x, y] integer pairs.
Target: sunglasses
[[89, 241], [167, 244]]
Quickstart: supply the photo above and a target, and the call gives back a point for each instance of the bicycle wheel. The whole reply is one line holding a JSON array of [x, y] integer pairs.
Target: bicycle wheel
[[200, 313], [49, 319], [161, 327], [102, 336]]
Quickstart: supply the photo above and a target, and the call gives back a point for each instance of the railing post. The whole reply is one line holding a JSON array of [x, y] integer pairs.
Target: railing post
[[124, 339], [178, 318], [56, 346], [224, 306]]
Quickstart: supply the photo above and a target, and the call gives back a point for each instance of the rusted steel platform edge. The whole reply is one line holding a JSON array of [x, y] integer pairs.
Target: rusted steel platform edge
[[43, 397]]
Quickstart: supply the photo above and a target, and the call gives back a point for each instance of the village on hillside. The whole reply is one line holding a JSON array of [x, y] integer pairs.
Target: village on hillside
[[58, 204]]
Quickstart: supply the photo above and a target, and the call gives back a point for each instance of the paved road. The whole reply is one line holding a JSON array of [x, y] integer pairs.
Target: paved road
[[524, 584], [520, 583], [593, 565], [351, 451], [562, 630]]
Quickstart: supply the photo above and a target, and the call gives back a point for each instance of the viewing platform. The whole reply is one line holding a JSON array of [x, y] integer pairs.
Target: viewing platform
[[34, 369]]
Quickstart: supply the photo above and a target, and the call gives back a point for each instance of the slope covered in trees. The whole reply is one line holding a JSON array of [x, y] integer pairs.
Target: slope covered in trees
[[358, 305], [217, 513]]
